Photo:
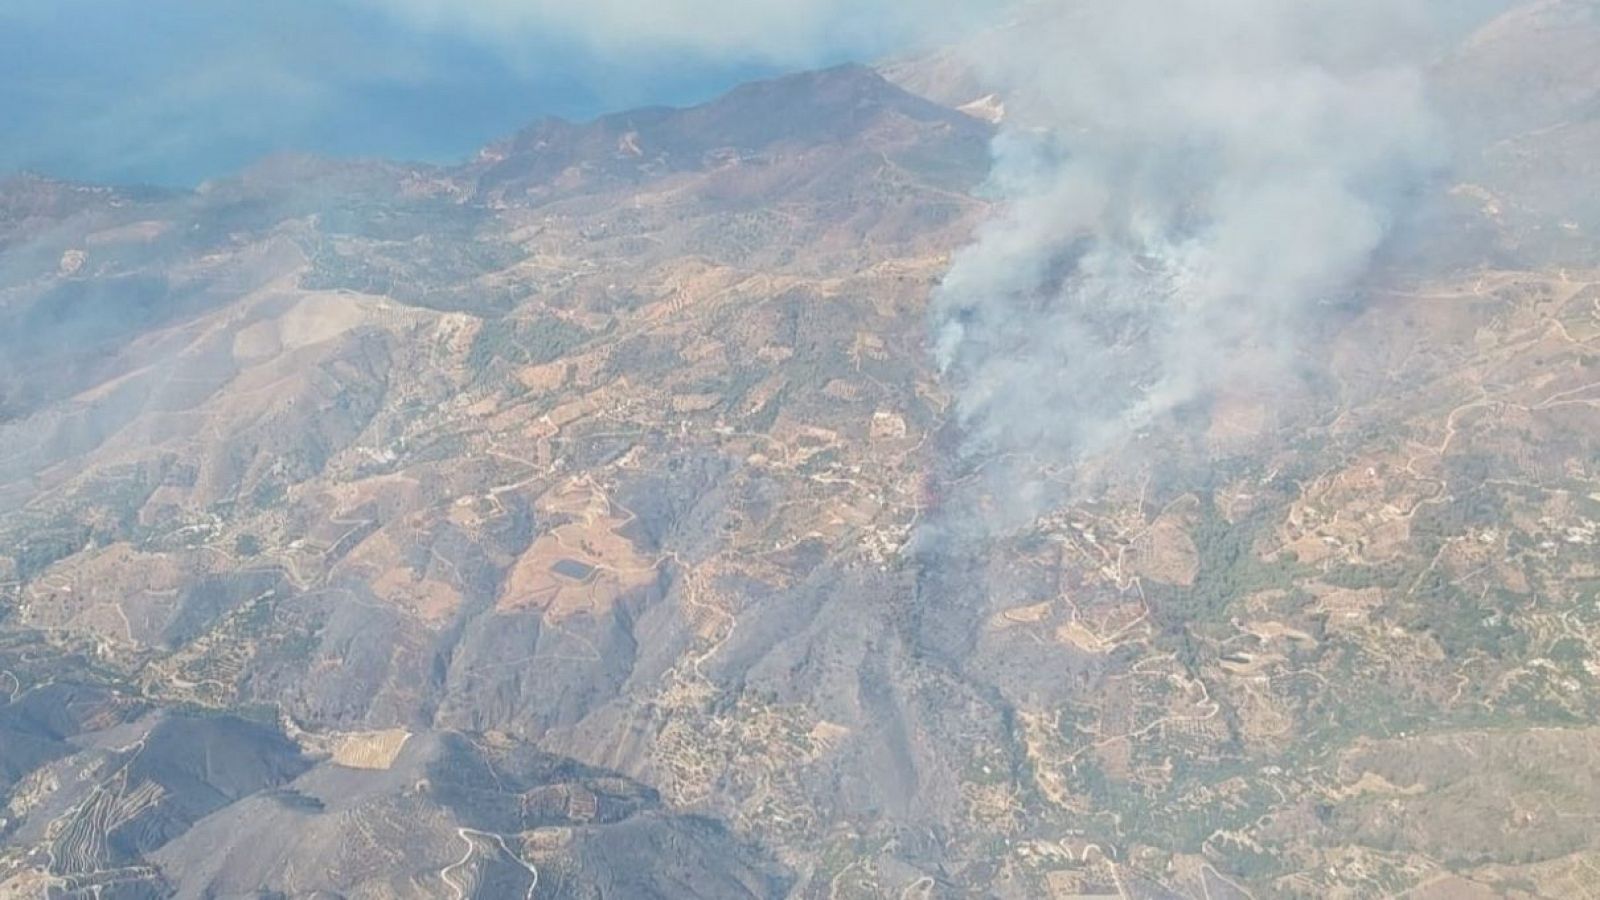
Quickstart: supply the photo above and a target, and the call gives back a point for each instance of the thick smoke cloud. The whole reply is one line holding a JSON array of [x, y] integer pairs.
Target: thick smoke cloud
[[1184, 182]]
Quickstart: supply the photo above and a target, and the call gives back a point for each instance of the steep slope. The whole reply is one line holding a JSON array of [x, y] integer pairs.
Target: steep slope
[[1528, 87], [569, 512], [374, 481]]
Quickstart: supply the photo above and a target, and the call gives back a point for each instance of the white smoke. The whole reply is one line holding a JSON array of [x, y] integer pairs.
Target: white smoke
[[1183, 181]]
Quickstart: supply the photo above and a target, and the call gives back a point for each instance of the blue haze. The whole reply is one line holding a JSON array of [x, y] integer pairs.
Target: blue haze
[[171, 92]]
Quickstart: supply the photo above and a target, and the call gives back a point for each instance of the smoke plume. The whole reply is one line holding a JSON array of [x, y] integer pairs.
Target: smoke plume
[[1183, 182]]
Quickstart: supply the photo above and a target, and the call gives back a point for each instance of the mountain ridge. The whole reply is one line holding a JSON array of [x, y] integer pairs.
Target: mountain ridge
[[564, 516]]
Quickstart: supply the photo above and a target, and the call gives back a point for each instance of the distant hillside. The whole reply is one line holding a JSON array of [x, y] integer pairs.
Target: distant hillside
[[566, 523]]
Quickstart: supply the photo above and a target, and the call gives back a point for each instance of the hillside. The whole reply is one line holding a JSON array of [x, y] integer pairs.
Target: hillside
[[555, 524]]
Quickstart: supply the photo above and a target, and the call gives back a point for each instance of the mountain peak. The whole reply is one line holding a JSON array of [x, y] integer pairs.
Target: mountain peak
[[826, 107]]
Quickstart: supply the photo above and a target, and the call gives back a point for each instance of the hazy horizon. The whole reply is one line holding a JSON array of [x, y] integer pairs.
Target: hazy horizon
[[172, 93]]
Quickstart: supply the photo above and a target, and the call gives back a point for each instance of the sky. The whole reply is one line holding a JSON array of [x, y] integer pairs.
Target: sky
[[172, 92]]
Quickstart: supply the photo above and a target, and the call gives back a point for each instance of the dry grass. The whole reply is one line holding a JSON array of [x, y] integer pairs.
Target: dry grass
[[370, 750]]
